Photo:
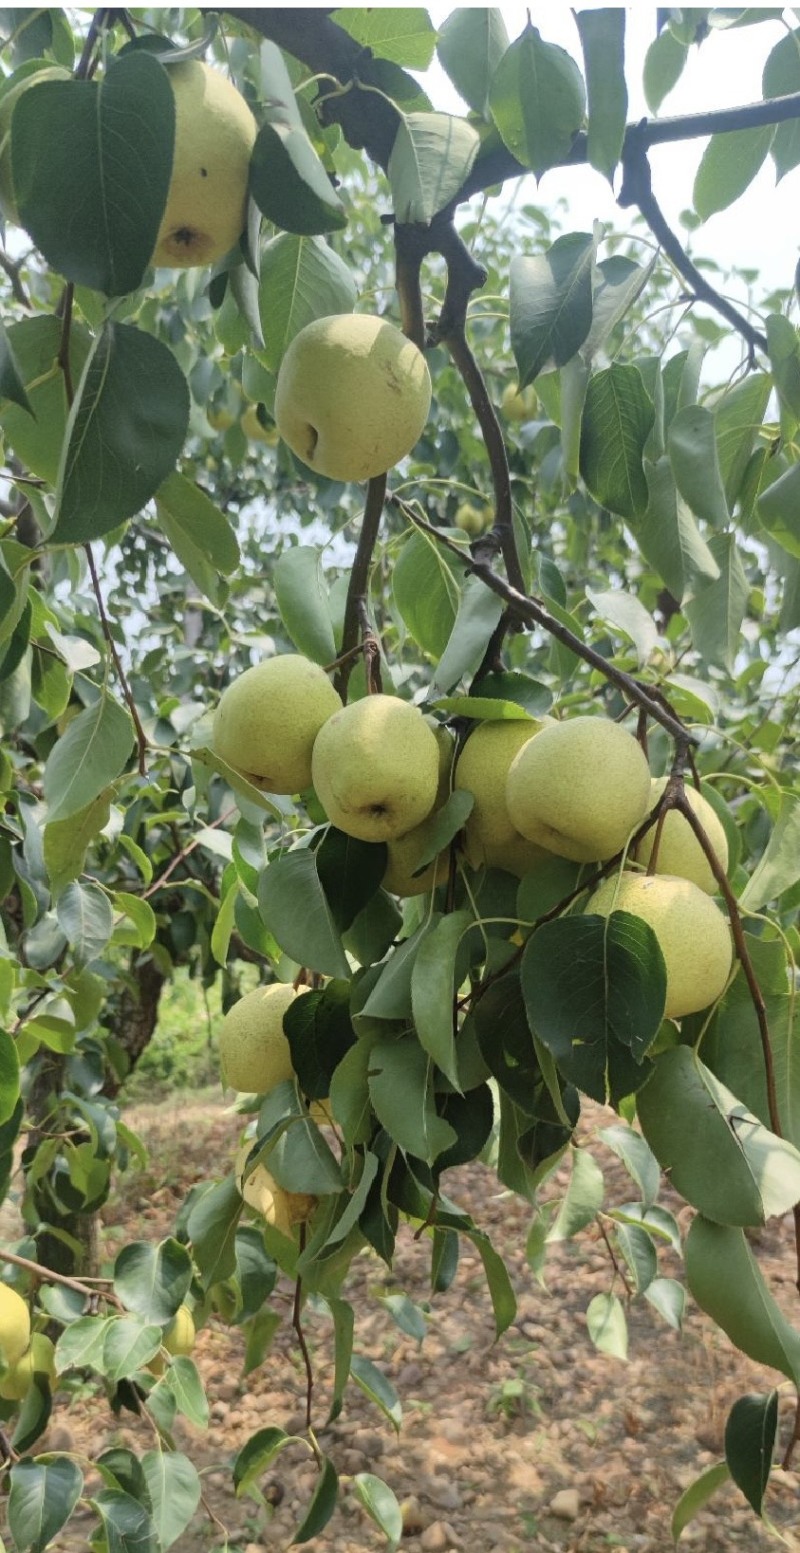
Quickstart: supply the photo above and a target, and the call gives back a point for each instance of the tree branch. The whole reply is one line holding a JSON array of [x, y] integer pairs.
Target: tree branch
[[141, 737], [356, 602]]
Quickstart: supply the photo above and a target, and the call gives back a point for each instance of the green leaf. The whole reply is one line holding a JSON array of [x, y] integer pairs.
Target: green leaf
[[298, 1157], [779, 509], [319, 1033], [36, 438], [433, 991], [92, 162], [303, 602], [597, 1026], [479, 611], [725, 1280], [618, 284], [350, 871], [127, 1525], [668, 1298], [321, 1507], [343, 1326], [125, 431], [750, 1431], [719, 1155], [625, 612], [663, 67], [779, 866], [551, 304], [637, 1157], [696, 1497], [183, 1381], [140, 916], [380, 1502], [636, 1247], [602, 35], [287, 179], [81, 1344], [501, 1291], [784, 354], [301, 279], [255, 1456], [66, 842], [42, 1498], [212, 1231], [86, 920], [87, 758], [667, 534], [294, 908], [11, 384], [508, 687], [127, 1347], [617, 419], [377, 1388], [717, 610], [691, 441], [537, 101], [739, 415], [34, 1414], [198, 532], [174, 1491], [153, 1280], [9, 1076], [780, 78], [470, 46], [728, 166], [606, 1325], [583, 1198], [401, 1091], [430, 159], [403, 34], [425, 593]]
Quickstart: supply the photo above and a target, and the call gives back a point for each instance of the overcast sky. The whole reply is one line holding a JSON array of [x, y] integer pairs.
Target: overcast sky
[[762, 230]]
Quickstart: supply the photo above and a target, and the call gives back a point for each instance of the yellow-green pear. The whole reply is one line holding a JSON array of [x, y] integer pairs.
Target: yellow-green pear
[[405, 852], [15, 1325], [352, 396], [254, 1053], [39, 1359], [474, 520], [252, 428], [679, 851], [28, 77], [518, 857], [268, 718], [693, 934], [261, 1192], [482, 769], [178, 1339], [215, 133], [579, 788], [375, 767], [519, 404]]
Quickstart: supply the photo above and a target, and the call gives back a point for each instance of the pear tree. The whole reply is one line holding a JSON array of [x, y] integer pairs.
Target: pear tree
[[503, 815]]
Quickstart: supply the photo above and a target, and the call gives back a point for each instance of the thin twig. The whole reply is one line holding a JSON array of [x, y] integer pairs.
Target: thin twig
[[141, 737], [12, 270], [64, 344], [358, 585], [301, 1338], [533, 612], [180, 856], [615, 1263], [47, 1275], [82, 69]]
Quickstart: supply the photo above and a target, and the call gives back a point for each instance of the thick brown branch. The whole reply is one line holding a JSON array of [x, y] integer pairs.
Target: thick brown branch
[[359, 579]]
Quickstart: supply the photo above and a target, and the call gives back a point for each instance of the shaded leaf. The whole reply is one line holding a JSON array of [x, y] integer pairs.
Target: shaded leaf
[[617, 420], [470, 45], [537, 100], [287, 179], [87, 758], [294, 908], [430, 159], [303, 602], [153, 1280], [42, 1498], [750, 1431], [322, 1505], [725, 1280], [602, 35], [301, 279], [551, 304]]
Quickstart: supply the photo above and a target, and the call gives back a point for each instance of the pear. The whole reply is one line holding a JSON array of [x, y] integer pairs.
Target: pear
[[215, 133], [579, 788], [39, 1359], [178, 1339], [693, 934], [518, 857], [474, 520], [405, 852], [679, 851], [375, 767], [519, 404], [22, 81], [268, 718], [15, 1325], [261, 1191], [254, 1053], [352, 396], [482, 769]]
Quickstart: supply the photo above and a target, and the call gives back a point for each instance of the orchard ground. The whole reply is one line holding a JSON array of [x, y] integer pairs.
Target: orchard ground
[[536, 1441]]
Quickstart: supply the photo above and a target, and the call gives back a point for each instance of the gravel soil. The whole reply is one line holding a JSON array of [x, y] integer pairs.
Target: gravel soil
[[536, 1442]]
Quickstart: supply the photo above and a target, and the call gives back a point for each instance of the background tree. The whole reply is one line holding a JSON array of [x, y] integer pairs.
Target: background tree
[[638, 561]]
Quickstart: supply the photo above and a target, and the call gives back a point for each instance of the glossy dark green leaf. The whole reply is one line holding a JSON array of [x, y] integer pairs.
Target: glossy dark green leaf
[[401, 1091], [426, 593], [42, 1498], [294, 907], [750, 1430], [718, 607], [320, 1032], [375, 1385], [302, 278], [127, 1525], [125, 431], [182, 1380], [152, 1280], [198, 532], [212, 1231], [597, 1026], [173, 1488], [86, 919], [321, 1507], [287, 179], [537, 100], [36, 436], [255, 1457], [92, 162], [691, 441], [738, 414], [350, 872], [128, 1345], [11, 384], [433, 991], [9, 1076], [297, 1154], [667, 533], [551, 304], [470, 46]]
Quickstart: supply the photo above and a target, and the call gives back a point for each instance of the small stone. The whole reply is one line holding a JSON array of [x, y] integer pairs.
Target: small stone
[[446, 1495], [413, 1518], [435, 1539], [565, 1504]]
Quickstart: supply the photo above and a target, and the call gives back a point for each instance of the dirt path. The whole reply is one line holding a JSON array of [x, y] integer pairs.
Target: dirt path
[[536, 1442]]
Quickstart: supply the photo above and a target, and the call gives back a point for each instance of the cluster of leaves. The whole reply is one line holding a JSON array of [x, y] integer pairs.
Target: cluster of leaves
[[655, 515]]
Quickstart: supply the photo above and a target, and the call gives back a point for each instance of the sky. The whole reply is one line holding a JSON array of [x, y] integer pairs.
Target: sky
[[762, 230]]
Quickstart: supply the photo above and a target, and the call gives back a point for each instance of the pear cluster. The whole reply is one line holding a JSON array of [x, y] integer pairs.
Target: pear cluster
[[22, 1354]]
